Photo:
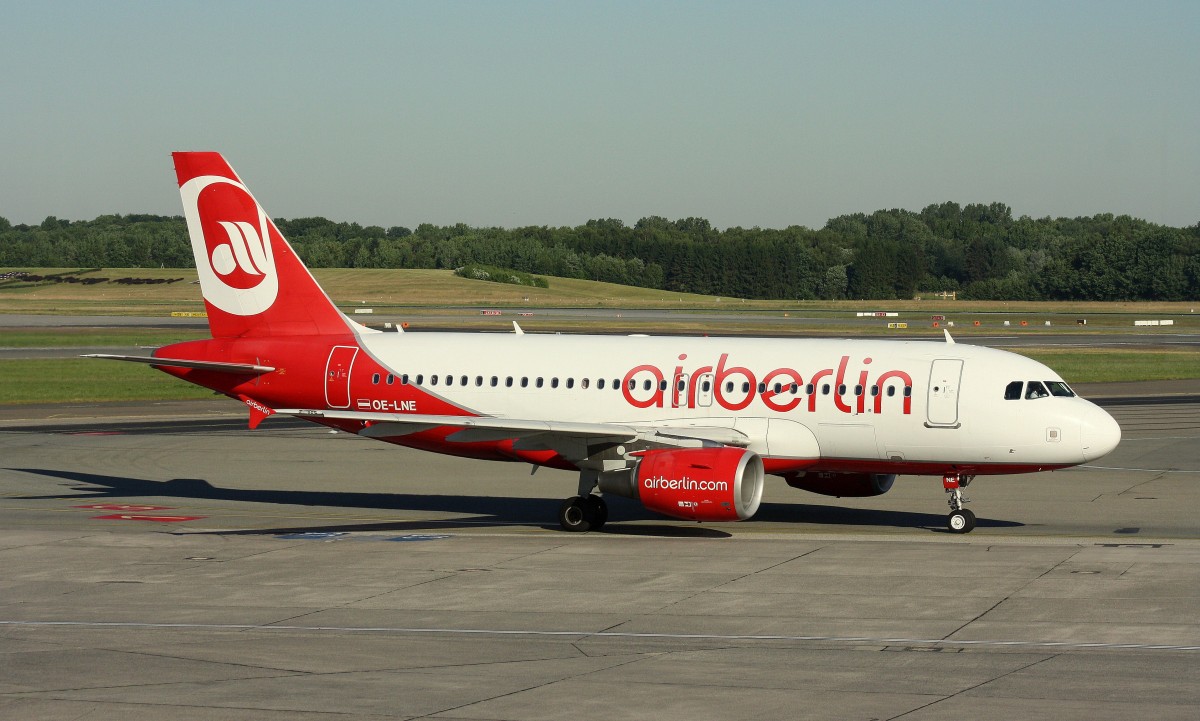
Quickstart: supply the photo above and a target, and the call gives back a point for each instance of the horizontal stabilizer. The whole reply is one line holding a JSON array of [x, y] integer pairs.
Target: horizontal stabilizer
[[243, 368]]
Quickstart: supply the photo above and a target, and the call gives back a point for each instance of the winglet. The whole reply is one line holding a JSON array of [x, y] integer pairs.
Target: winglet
[[517, 329], [949, 340]]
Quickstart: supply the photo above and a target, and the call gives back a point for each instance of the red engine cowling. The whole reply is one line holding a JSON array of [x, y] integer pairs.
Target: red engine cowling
[[843, 485], [701, 484]]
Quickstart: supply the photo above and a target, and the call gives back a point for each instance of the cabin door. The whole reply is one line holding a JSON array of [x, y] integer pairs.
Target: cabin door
[[942, 407]]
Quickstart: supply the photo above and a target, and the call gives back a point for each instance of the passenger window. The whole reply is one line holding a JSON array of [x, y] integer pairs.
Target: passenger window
[[907, 391], [600, 384], [842, 389], [584, 383], [375, 379], [433, 380], [1012, 391], [554, 383], [538, 382], [891, 391], [1058, 388], [762, 387], [1035, 390], [706, 386], [449, 380], [495, 381], [746, 387], [647, 384], [810, 389], [420, 379], [874, 391], [571, 383], [617, 384], [858, 390], [404, 379], [824, 389], [662, 385], [729, 386], [524, 382], [778, 388], [795, 388], [478, 381], [508, 382], [462, 381]]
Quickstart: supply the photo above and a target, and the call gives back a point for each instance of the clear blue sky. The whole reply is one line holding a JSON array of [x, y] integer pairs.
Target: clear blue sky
[[550, 113]]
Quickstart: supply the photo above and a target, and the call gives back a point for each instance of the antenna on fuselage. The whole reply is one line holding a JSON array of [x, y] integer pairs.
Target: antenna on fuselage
[[949, 340]]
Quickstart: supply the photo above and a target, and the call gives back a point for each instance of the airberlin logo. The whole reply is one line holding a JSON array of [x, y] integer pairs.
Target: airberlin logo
[[683, 484], [230, 230], [781, 389]]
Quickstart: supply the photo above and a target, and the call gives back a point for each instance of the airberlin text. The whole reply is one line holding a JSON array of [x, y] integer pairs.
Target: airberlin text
[[683, 484], [782, 389]]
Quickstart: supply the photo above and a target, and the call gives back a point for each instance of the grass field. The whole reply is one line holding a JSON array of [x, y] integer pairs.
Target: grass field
[[79, 337], [425, 288], [70, 380], [89, 380], [443, 295]]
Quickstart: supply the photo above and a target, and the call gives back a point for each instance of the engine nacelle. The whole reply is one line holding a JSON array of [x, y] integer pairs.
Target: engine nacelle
[[843, 485], [700, 484]]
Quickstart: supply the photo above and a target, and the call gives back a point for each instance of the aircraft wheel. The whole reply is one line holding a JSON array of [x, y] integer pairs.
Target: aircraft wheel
[[960, 521], [598, 509], [576, 515]]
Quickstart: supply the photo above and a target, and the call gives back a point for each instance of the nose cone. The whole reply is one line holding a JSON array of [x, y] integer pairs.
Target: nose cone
[[1098, 433]]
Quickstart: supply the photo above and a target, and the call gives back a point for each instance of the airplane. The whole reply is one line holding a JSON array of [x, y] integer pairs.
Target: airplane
[[688, 426]]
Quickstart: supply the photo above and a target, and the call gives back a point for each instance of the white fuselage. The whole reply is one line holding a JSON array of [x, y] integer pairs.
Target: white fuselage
[[903, 406]]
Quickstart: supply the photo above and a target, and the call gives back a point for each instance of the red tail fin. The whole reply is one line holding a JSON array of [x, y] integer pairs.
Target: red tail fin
[[253, 282]]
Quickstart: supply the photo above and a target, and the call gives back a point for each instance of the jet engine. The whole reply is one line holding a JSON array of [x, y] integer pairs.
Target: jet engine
[[695, 484], [843, 485]]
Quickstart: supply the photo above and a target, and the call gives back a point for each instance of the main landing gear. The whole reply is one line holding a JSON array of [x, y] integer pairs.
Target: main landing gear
[[586, 511], [960, 519], [583, 513]]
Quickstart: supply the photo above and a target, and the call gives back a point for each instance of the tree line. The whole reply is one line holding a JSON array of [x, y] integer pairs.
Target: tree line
[[978, 250]]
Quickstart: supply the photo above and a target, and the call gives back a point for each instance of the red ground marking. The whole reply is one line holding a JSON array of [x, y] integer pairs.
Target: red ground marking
[[137, 517], [123, 507]]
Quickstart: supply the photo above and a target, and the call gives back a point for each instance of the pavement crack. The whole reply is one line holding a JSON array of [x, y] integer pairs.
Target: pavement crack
[[1008, 596], [985, 682], [532, 687], [710, 589]]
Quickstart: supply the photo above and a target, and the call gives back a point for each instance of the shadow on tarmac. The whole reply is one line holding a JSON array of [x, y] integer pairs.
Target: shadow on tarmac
[[485, 510]]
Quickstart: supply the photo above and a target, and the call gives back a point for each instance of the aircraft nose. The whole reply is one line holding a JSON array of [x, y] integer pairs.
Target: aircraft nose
[[1098, 433]]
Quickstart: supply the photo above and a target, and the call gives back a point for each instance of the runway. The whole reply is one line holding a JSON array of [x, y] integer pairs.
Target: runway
[[301, 574]]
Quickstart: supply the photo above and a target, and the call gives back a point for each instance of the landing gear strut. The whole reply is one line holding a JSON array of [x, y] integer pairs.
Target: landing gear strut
[[960, 519]]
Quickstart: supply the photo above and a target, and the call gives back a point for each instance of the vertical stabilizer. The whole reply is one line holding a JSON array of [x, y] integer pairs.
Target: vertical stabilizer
[[253, 282]]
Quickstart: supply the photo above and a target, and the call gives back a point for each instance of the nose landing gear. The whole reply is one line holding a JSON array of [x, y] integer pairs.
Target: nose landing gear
[[960, 519]]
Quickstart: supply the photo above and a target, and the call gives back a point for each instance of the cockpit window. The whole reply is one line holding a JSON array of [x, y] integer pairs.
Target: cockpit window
[[1058, 388], [1012, 391], [1035, 389]]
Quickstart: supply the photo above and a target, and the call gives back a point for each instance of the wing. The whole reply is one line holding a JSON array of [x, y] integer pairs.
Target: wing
[[573, 441]]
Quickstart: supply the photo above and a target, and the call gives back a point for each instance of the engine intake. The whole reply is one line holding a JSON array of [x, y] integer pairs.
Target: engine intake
[[695, 484]]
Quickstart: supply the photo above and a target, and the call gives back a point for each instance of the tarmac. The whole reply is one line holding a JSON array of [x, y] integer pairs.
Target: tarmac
[[161, 561]]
